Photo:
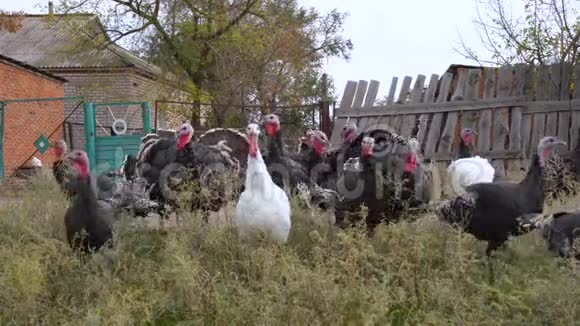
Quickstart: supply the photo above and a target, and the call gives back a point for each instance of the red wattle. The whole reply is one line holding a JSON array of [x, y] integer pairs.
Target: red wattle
[[367, 151], [253, 146], [183, 140], [271, 129], [467, 139], [411, 163], [58, 153], [83, 171], [318, 146]]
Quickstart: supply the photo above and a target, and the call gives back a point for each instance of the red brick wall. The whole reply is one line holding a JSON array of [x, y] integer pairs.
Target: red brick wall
[[26, 121]]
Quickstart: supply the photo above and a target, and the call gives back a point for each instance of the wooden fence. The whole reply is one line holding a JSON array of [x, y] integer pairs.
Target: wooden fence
[[511, 108]]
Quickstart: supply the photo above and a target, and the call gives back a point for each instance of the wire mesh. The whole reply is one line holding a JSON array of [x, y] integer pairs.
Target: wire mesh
[[31, 125]]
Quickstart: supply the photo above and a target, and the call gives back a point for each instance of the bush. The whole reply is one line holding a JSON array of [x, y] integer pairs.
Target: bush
[[410, 273]]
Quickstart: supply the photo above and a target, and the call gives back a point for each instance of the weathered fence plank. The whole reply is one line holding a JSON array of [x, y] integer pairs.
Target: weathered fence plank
[[435, 129], [392, 90], [345, 106], [458, 93], [448, 136], [410, 120], [566, 73], [361, 91], [574, 129], [501, 116], [372, 92], [575, 116], [539, 119], [564, 121], [515, 135], [424, 118], [397, 120], [527, 118], [554, 95], [404, 91], [469, 118], [484, 139], [440, 168]]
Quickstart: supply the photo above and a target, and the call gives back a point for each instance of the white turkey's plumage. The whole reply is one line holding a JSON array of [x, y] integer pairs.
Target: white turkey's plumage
[[263, 206], [36, 162], [467, 171]]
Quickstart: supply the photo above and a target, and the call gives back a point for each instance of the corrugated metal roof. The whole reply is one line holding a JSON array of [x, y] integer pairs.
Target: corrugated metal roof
[[29, 67], [67, 41]]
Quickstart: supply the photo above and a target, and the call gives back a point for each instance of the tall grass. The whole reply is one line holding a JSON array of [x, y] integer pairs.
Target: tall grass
[[410, 273]]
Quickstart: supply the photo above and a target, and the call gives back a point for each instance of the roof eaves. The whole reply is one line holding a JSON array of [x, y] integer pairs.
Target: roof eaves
[[32, 68]]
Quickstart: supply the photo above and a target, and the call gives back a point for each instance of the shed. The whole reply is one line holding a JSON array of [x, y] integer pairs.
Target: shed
[[20, 122], [76, 47]]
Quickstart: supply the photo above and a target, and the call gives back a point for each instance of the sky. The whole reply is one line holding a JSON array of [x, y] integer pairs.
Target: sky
[[390, 37]]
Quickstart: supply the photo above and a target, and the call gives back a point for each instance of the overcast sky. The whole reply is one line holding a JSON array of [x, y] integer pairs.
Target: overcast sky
[[391, 38]]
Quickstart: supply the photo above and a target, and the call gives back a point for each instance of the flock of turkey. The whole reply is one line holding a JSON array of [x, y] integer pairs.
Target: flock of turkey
[[375, 168]]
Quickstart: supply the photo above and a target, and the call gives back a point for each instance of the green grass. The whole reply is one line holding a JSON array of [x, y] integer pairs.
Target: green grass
[[411, 273]]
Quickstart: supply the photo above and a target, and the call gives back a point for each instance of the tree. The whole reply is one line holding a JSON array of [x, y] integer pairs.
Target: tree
[[548, 32], [266, 52]]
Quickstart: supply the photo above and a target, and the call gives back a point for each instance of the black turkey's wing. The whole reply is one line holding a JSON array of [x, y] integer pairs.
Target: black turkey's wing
[[162, 152], [159, 155]]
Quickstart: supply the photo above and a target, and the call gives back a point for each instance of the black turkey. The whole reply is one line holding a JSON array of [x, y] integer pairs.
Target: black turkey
[[371, 181], [286, 168], [493, 212], [88, 223], [413, 185], [290, 170]]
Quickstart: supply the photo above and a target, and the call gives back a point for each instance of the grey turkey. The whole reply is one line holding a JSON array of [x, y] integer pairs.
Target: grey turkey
[[561, 231], [493, 212], [62, 169], [315, 158], [88, 221], [208, 163], [561, 175], [464, 149]]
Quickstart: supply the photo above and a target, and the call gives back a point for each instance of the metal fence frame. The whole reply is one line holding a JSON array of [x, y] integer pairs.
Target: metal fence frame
[[4, 106]]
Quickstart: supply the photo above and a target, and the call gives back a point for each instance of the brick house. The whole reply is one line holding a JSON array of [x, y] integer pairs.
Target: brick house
[[76, 48], [24, 122]]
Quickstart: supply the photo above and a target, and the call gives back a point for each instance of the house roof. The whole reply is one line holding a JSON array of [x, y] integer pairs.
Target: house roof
[[454, 67], [31, 68], [72, 41]]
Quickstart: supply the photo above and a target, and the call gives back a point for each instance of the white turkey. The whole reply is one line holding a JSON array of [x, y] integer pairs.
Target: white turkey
[[263, 207], [468, 170]]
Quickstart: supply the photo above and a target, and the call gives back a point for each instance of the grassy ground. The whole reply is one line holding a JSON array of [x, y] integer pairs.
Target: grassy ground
[[412, 273]]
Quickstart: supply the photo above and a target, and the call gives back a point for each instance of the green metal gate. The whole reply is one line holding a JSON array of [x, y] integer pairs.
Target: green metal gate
[[106, 152]]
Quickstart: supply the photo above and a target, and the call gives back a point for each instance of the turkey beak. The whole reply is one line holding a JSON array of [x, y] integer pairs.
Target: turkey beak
[[561, 142], [474, 132]]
